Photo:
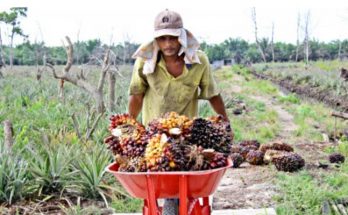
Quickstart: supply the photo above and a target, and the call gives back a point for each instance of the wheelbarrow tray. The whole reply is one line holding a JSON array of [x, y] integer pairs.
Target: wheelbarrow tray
[[168, 184]]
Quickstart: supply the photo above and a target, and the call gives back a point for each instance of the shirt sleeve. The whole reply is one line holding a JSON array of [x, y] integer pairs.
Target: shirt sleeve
[[207, 85], [138, 84]]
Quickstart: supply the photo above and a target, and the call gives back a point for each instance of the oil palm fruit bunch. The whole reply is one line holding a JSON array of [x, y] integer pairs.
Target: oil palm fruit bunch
[[126, 136], [126, 164], [336, 158], [255, 157], [277, 145], [211, 134], [162, 154], [243, 150], [270, 154], [237, 159], [254, 143], [172, 124], [204, 159], [219, 160], [288, 162]]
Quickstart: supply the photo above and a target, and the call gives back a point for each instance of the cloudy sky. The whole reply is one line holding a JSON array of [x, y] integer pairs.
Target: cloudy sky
[[114, 21]]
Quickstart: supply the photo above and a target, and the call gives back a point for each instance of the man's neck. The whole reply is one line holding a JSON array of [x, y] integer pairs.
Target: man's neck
[[172, 59]]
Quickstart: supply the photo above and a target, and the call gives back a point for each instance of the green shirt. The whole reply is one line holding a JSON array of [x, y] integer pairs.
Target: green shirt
[[164, 93]]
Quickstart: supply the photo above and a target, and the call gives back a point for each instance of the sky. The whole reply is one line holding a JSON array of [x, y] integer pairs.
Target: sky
[[115, 21]]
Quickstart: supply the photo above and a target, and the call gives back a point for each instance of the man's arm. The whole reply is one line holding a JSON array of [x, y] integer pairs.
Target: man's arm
[[218, 105], [135, 104]]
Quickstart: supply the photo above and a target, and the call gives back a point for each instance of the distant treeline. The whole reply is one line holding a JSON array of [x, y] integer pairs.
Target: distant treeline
[[237, 50]]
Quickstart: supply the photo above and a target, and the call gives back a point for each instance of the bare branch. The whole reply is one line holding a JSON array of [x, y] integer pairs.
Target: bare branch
[[90, 131], [340, 115], [69, 51]]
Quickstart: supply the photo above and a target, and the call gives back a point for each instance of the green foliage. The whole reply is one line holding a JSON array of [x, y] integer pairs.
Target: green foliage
[[50, 166], [342, 148], [241, 70], [91, 180], [14, 180]]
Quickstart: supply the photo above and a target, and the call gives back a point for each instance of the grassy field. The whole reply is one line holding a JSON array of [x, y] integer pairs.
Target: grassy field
[[49, 162]]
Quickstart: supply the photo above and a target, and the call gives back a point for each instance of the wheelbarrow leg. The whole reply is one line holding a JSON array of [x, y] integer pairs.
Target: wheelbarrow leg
[[206, 210], [183, 195], [151, 200]]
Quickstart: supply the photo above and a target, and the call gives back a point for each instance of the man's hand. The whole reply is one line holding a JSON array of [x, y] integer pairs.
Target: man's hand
[[218, 105]]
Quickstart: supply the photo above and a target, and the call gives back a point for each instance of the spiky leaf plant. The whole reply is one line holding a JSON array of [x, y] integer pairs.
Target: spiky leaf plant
[[14, 178]]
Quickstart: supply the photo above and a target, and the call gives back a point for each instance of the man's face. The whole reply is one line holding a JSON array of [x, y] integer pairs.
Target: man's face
[[169, 45]]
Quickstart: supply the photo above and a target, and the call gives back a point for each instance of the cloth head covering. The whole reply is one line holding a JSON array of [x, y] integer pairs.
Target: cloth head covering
[[168, 23]]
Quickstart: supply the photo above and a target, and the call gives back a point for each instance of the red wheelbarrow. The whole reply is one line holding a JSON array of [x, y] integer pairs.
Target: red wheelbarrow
[[189, 187]]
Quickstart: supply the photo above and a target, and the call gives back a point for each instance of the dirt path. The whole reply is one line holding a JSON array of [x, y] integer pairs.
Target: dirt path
[[253, 186], [286, 120]]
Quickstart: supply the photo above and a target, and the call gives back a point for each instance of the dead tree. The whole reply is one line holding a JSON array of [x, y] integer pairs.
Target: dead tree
[[253, 16], [298, 35], [8, 133], [272, 43], [306, 37], [79, 80], [112, 72], [112, 81]]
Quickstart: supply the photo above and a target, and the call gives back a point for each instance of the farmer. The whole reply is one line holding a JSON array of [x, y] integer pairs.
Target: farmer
[[171, 74]]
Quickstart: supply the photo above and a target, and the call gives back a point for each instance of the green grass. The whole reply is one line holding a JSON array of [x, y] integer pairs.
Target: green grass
[[300, 194], [127, 205], [290, 98], [260, 87]]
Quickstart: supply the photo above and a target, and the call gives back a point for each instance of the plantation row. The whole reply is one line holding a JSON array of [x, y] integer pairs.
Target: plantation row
[[322, 84]]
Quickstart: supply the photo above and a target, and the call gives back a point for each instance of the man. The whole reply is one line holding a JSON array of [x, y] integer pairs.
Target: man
[[170, 74]]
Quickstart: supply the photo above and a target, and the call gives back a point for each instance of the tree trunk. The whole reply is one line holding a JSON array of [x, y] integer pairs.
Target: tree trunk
[[298, 36], [272, 44], [2, 55], [8, 133], [98, 96], [306, 41], [112, 83], [253, 16], [11, 51]]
